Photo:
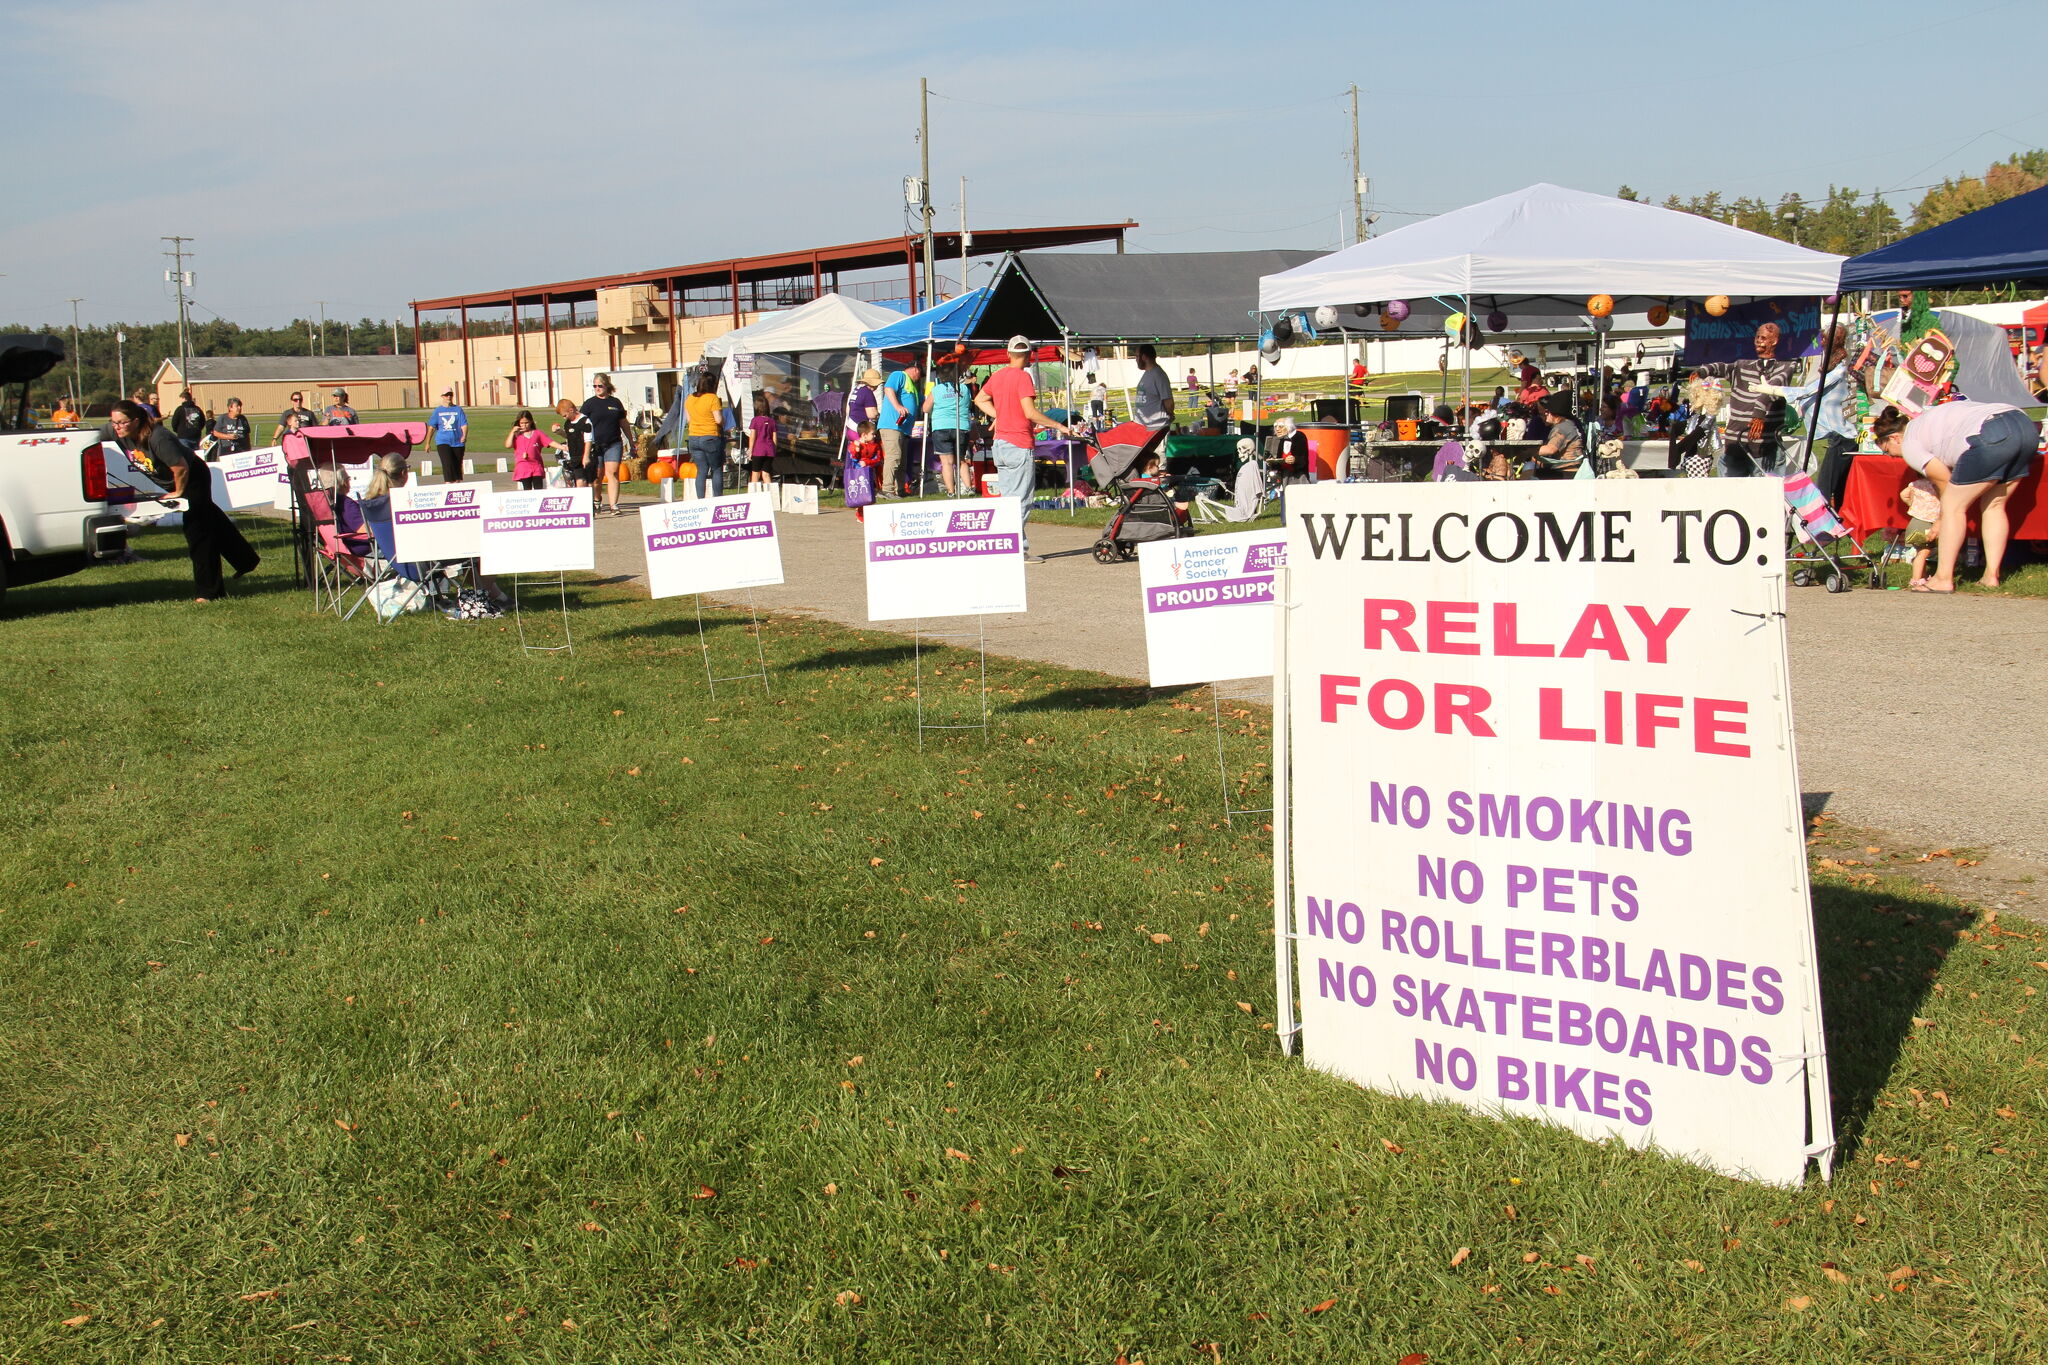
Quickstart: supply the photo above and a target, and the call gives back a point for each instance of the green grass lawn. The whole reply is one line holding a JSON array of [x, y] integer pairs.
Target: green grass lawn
[[380, 994]]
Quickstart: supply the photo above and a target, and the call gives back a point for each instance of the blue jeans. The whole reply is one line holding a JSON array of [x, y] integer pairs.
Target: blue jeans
[[1016, 477], [708, 454]]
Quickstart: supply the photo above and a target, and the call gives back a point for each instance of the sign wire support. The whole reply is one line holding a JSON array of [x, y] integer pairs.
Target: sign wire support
[[980, 637], [1287, 1026], [760, 656], [1230, 812], [561, 586]]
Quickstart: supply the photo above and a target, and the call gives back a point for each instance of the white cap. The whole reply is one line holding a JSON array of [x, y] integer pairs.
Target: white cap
[[1019, 345]]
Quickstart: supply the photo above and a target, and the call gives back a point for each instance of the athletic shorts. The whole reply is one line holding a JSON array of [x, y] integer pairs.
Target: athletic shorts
[[949, 442], [615, 453], [2001, 452]]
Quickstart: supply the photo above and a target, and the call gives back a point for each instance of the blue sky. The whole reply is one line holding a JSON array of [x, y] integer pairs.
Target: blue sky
[[372, 153]]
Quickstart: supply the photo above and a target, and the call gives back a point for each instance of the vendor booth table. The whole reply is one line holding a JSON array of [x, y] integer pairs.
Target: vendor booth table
[[1870, 502]]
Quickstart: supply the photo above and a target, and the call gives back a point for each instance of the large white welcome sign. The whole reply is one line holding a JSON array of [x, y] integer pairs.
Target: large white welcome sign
[[710, 546], [442, 522], [1208, 606], [546, 531], [944, 558], [1548, 852]]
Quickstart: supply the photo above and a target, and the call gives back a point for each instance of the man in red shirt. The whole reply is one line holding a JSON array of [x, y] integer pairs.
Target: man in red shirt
[[1010, 399]]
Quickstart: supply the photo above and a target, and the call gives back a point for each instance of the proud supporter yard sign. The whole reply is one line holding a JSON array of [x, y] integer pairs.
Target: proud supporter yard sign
[[944, 559], [545, 531], [248, 479], [711, 546], [1548, 853], [1208, 604], [442, 522]]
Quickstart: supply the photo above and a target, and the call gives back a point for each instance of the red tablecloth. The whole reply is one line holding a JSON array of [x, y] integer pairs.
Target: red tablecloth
[[1871, 500]]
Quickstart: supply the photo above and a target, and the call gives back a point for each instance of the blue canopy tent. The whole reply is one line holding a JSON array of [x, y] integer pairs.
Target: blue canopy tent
[[2006, 243], [948, 321]]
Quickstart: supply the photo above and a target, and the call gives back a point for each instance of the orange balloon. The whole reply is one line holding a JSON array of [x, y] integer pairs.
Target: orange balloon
[[1718, 304], [1659, 315], [1600, 305]]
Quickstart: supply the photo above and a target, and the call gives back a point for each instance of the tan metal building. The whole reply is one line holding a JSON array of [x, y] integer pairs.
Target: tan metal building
[[265, 383], [534, 345]]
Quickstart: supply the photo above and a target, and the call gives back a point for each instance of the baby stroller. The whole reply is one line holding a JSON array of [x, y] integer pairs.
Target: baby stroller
[[1822, 547], [1145, 512]]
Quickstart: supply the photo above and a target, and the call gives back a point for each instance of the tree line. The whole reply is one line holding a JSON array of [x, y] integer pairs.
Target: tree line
[[1850, 221], [103, 359]]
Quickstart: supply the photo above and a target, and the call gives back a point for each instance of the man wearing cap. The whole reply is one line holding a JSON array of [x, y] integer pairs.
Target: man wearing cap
[[306, 416], [339, 413], [1010, 399], [450, 426]]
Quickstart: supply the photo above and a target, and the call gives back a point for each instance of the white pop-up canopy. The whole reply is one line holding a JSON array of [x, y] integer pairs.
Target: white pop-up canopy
[[1538, 254], [830, 322]]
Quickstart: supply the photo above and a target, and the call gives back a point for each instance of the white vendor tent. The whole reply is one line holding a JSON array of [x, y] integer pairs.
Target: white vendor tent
[[1538, 254], [830, 322]]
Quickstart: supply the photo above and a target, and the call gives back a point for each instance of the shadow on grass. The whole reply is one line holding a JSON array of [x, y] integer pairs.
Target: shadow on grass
[[1127, 697], [1880, 951], [82, 592], [877, 656], [684, 627]]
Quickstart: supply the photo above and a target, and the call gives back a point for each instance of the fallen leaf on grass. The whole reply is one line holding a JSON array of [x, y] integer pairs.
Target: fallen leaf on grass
[[1414, 1358], [1245, 1005], [1392, 1146], [1162, 938], [344, 1125], [1834, 1276], [1531, 1257], [1461, 1255], [1730, 1243], [81, 1320], [1325, 1306], [1255, 1317], [183, 1139], [1695, 1267], [1799, 1303], [856, 1061], [957, 1154], [1903, 1273], [846, 1298], [1552, 1289], [593, 1227], [569, 1324], [259, 1295], [874, 862]]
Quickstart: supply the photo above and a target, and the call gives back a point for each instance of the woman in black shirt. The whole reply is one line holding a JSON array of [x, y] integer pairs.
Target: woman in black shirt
[[210, 535]]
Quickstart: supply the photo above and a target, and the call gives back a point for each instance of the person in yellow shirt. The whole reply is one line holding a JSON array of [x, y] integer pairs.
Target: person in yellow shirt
[[705, 415]]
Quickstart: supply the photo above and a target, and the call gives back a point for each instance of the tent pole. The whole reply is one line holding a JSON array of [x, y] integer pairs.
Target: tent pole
[[1820, 391], [1464, 344]]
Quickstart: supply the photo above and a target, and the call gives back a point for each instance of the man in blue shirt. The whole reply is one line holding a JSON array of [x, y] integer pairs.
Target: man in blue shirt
[[449, 426], [902, 401]]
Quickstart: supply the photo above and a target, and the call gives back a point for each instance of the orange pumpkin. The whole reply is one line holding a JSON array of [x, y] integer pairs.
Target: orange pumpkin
[[686, 470], [661, 469]]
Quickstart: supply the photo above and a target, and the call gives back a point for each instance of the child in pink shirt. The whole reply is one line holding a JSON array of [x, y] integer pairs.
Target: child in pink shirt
[[526, 441]]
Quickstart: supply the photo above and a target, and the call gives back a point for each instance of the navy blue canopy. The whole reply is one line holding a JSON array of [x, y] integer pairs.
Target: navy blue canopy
[[2006, 243]]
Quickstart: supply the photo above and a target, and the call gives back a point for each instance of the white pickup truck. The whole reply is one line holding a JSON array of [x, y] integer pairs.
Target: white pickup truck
[[54, 514]]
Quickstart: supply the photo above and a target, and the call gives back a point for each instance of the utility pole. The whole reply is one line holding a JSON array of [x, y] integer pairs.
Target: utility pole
[[966, 238], [323, 325], [924, 180], [394, 336], [1357, 179], [121, 359], [77, 384], [183, 279]]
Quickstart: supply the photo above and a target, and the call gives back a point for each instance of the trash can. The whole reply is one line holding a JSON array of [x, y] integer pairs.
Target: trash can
[[1326, 444]]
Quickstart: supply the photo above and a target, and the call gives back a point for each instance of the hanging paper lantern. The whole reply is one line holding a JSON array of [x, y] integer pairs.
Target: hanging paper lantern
[[1496, 321], [1389, 323], [1717, 305], [1454, 324], [1398, 310], [1326, 317], [1601, 305], [1659, 315]]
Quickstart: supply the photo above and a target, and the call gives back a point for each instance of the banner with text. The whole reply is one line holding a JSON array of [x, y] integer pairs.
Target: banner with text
[[711, 546], [442, 522], [1208, 606], [944, 559], [1549, 854], [248, 479], [544, 531]]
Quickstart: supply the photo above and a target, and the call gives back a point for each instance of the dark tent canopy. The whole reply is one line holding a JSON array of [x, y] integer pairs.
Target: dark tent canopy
[[1189, 296], [2006, 243]]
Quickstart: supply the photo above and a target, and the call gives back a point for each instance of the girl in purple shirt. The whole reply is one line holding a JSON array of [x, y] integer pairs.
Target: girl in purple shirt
[[761, 454]]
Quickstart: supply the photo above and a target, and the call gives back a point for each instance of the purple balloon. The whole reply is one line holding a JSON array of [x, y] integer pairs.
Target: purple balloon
[[1496, 321], [1398, 310]]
